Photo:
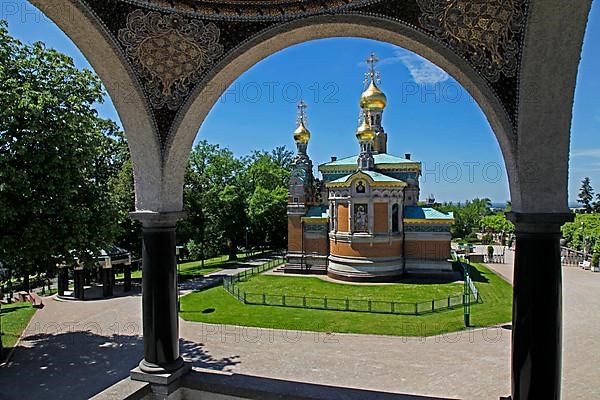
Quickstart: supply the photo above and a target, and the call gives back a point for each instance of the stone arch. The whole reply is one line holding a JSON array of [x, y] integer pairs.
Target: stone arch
[[249, 53], [88, 34]]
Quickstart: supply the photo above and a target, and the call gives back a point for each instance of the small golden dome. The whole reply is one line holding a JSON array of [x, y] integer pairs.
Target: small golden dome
[[301, 134], [365, 132], [373, 98]]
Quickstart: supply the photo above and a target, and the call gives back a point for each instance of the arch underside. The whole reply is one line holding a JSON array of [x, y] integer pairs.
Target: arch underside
[[282, 36], [133, 43]]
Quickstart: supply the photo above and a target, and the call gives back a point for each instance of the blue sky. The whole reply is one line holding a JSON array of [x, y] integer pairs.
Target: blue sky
[[429, 114]]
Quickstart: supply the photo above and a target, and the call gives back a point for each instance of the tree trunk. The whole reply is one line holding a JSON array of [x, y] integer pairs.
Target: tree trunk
[[26, 286], [232, 250]]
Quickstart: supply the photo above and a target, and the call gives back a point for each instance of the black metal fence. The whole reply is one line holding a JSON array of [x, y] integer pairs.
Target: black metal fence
[[338, 304]]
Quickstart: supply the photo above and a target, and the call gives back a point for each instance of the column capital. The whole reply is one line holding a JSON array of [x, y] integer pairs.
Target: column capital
[[153, 219], [539, 222]]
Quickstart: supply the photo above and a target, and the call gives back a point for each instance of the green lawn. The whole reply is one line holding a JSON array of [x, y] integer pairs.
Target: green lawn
[[315, 287], [210, 265], [15, 318], [219, 307]]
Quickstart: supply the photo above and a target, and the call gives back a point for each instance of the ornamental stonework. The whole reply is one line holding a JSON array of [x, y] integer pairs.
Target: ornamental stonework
[[170, 52], [254, 10], [486, 32]]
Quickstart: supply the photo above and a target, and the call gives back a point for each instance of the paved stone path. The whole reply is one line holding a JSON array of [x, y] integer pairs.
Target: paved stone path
[[216, 278], [73, 350]]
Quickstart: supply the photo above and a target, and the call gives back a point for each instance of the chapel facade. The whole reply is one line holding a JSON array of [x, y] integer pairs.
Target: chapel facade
[[362, 221]]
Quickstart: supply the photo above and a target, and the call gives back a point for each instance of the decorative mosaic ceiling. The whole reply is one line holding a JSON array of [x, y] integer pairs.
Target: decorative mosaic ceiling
[[172, 44]]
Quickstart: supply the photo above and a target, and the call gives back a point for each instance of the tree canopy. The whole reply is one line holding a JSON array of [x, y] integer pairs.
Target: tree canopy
[[586, 195], [233, 202], [467, 216], [57, 159]]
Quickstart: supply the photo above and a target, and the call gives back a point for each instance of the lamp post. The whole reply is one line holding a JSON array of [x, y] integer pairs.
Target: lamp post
[[584, 247]]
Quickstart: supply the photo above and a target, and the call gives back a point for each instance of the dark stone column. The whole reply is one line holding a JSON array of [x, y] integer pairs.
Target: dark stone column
[[159, 293], [537, 306], [107, 284], [63, 280], [78, 283], [127, 278]]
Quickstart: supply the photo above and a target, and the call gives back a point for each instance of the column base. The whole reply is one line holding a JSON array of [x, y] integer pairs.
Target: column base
[[151, 368], [163, 384]]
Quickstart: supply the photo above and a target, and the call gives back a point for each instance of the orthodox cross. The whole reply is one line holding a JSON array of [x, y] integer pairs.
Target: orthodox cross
[[302, 112], [372, 74]]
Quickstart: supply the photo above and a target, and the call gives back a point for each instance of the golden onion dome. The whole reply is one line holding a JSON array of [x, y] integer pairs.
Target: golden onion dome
[[301, 134], [365, 132], [373, 98]]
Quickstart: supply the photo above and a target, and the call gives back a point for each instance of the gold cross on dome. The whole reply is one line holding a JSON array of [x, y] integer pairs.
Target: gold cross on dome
[[372, 74], [372, 60], [302, 106]]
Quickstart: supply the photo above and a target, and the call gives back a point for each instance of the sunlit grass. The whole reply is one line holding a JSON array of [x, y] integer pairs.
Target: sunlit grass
[[15, 318], [495, 308]]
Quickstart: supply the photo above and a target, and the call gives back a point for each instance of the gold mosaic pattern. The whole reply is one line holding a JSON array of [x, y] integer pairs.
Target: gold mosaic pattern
[[484, 31], [170, 52]]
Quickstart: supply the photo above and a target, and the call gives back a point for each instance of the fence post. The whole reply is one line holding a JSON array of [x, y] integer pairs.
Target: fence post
[[264, 299], [347, 304], [448, 301], [245, 302], [283, 299], [433, 305], [416, 308], [325, 302], [369, 305], [304, 301], [393, 307]]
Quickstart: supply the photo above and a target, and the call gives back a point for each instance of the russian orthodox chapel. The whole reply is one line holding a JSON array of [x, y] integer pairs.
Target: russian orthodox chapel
[[362, 220]]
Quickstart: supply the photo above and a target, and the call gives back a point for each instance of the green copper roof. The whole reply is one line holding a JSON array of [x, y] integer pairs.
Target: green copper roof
[[418, 212], [382, 158], [376, 176], [317, 212]]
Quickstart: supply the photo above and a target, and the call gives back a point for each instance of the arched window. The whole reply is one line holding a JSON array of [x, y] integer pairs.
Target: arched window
[[395, 218]]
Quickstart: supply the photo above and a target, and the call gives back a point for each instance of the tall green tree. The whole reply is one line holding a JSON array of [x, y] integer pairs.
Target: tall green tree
[[215, 198], [56, 159], [467, 217], [596, 205], [586, 194], [129, 231]]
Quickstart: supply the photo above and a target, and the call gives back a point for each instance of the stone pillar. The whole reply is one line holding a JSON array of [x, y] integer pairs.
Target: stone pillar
[[127, 278], [537, 306], [159, 292], [63, 280], [78, 283], [107, 281]]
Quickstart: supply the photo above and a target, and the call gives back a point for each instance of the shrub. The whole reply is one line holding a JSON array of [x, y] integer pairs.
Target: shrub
[[490, 250], [596, 259]]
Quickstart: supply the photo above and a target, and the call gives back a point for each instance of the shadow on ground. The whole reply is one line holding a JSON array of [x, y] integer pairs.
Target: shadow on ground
[[78, 365], [477, 276]]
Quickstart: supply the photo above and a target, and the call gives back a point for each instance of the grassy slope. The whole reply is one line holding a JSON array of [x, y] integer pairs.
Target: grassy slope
[[15, 318], [496, 308]]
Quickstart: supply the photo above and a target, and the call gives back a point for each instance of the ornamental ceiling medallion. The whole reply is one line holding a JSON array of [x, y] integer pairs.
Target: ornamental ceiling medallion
[[170, 52], [486, 32]]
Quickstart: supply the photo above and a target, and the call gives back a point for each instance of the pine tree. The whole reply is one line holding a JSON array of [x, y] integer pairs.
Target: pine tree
[[586, 195], [596, 205]]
